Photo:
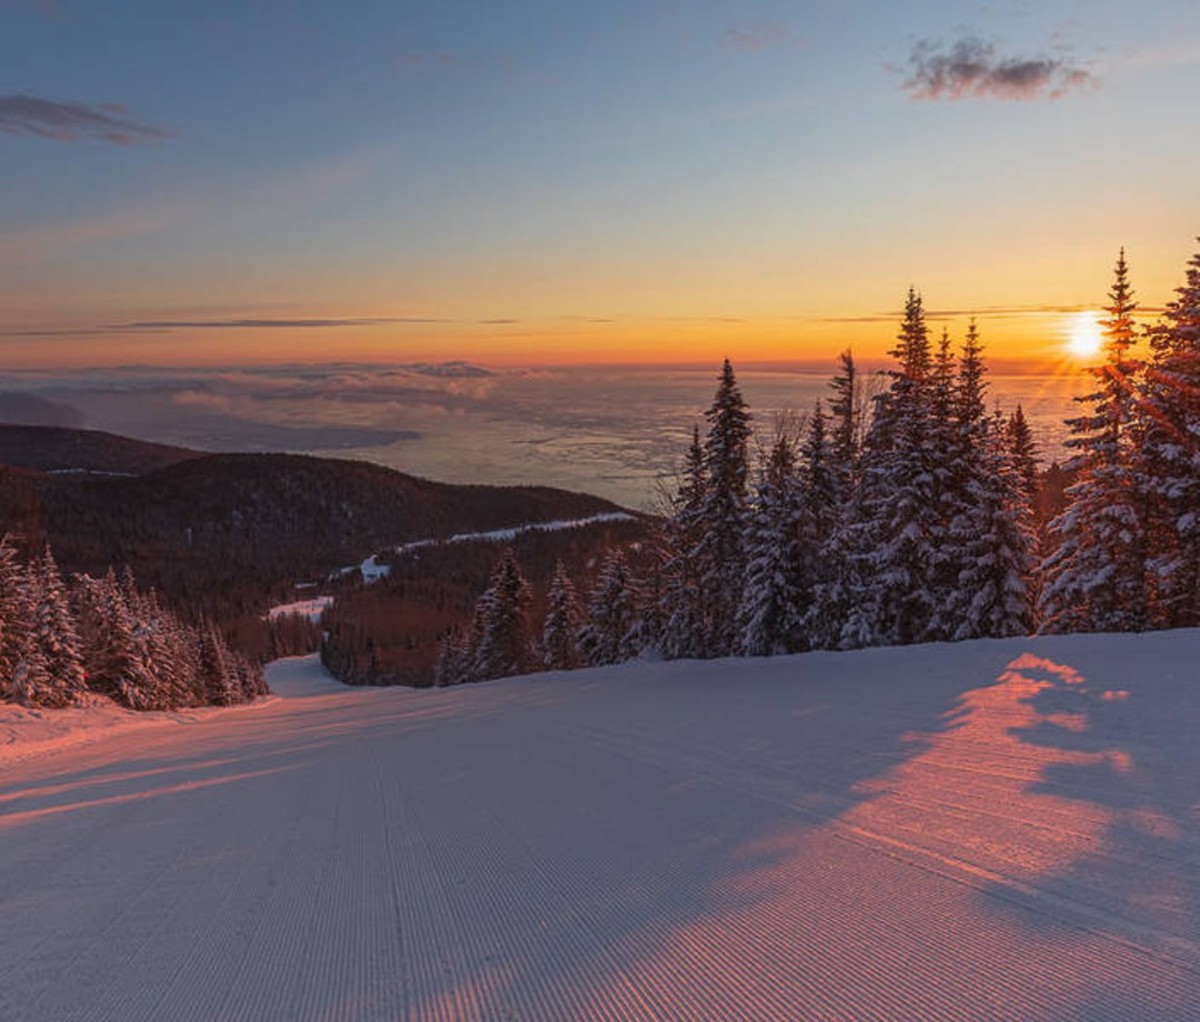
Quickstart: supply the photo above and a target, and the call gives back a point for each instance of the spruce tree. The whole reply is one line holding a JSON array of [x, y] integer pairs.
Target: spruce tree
[[54, 633], [720, 553], [13, 623], [896, 514], [1171, 451], [503, 646], [948, 451], [1094, 579], [1025, 455], [561, 623], [454, 659], [832, 517], [610, 629], [993, 597], [684, 627], [771, 613]]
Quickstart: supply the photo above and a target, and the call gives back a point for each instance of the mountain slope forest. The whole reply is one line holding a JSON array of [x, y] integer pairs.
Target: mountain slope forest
[[225, 536]]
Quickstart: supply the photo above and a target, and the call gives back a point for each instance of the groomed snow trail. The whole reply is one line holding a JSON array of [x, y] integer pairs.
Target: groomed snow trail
[[990, 830]]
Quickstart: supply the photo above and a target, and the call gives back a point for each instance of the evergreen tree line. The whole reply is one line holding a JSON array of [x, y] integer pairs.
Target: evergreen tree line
[[63, 640], [906, 517]]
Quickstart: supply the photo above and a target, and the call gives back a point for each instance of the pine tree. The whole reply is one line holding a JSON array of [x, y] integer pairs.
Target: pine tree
[[845, 410], [896, 514], [948, 450], [993, 597], [610, 629], [1025, 455], [831, 500], [12, 612], [1171, 450], [503, 646], [772, 611], [684, 626], [1095, 577], [113, 657], [218, 670], [561, 623], [55, 635], [720, 553]]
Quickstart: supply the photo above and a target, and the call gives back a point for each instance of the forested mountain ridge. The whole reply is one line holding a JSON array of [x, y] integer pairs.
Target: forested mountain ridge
[[62, 449], [223, 535]]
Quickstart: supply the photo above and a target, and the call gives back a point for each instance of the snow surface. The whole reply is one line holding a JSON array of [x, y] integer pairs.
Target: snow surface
[[372, 570], [311, 609], [990, 830]]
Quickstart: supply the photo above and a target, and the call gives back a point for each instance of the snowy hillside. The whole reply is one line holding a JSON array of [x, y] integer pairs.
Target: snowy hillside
[[1005, 829]]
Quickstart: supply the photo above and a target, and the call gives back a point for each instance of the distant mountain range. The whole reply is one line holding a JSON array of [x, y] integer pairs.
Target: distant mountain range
[[229, 533]]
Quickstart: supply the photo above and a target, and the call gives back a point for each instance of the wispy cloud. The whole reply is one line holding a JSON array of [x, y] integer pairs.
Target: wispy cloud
[[971, 68], [69, 121], [265, 324], [279, 195], [753, 39]]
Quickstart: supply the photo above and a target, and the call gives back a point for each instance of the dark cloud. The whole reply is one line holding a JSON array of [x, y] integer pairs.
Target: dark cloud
[[68, 122], [972, 69], [497, 322], [751, 40]]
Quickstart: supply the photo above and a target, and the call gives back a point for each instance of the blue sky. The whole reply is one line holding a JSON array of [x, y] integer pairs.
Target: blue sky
[[549, 181]]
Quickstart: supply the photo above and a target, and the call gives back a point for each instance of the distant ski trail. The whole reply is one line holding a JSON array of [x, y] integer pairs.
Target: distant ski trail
[[990, 830]]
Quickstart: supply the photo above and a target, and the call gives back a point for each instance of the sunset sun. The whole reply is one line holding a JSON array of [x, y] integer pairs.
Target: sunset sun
[[1085, 337]]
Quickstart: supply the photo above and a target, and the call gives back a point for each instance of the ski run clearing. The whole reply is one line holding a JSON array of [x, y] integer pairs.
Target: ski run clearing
[[989, 830], [372, 570]]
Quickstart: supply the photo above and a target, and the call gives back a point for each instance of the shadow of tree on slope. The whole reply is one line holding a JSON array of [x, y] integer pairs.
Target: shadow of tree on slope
[[1118, 719]]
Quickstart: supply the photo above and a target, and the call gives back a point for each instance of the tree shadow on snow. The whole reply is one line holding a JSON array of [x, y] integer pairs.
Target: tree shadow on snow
[[1115, 726]]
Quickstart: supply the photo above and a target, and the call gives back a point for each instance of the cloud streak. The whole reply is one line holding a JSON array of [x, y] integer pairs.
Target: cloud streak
[[265, 324], [971, 68], [752, 40], [22, 114]]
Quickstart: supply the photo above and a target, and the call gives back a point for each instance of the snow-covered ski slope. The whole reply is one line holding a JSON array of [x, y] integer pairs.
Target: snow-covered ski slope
[[991, 830]]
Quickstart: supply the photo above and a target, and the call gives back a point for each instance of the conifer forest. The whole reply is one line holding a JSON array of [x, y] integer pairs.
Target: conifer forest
[[898, 510]]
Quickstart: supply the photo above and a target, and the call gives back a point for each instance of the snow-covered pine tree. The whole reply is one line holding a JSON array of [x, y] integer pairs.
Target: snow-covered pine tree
[[218, 669], [684, 628], [720, 553], [1025, 455], [113, 657], [13, 623], [55, 635], [167, 658], [1170, 442], [988, 536], [896, 513], [1094, 579], [948, 448], [503, 647], [993, 598], [771, 613], [823, 482], [834, 583], [561, 623], [454, 658], [845, 410], [609, 631]]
